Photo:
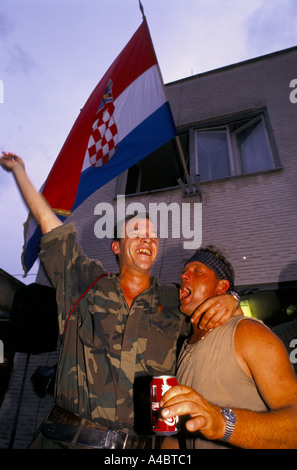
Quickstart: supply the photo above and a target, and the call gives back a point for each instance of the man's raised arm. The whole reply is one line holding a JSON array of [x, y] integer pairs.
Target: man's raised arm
[[37, 204]]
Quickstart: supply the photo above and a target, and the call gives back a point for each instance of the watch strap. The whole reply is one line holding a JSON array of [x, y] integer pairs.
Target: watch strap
[[236, 296], [230, 419]]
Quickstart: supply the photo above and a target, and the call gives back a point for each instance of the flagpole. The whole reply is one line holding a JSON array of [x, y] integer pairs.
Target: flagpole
[[141, 9], [180, 150], [177, 139], [182, 157]]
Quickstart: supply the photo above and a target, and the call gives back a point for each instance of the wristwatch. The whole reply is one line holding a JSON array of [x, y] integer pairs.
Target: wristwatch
[[230, 418], [236, 296]]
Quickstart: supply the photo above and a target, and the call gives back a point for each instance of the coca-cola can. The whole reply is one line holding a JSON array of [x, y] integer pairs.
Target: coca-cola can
[[159, 386]]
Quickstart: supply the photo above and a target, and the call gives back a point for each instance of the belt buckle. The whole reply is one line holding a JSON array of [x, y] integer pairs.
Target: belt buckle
[[116, 439], [78, 432]]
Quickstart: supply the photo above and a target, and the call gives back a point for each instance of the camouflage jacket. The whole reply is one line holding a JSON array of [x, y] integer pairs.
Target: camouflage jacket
[[109, 352]]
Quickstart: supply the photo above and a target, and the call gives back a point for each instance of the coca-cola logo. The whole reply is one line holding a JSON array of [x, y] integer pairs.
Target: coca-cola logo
[[172, 421]]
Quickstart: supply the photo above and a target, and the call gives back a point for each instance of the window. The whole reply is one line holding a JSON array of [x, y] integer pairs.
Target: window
[[238, 147], [254, 148], [213, 154], [233, 146], [159, 170]]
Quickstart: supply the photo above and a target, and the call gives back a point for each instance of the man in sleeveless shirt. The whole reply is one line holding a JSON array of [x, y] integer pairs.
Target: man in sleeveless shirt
[[123, 331], [238, 387]]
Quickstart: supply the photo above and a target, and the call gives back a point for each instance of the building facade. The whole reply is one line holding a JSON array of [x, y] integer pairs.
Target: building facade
[[241, 122]]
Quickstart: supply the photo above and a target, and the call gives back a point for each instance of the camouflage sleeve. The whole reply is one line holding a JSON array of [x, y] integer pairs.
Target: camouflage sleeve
[[68, 269], [170, 297]]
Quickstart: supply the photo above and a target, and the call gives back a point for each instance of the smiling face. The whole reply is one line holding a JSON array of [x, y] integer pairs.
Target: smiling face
[[198, 284], [138, 249]]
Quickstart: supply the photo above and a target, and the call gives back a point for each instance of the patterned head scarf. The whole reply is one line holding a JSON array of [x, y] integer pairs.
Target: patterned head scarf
[[212, 262]]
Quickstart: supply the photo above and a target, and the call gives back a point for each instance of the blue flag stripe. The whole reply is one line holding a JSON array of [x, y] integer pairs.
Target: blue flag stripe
[[159, 126]]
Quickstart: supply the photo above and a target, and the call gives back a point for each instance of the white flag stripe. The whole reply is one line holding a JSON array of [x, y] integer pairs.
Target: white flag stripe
[[137, 102]]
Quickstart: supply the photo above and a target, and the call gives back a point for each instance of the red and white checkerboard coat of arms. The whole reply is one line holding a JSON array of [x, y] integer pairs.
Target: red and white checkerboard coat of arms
[[104, 138]]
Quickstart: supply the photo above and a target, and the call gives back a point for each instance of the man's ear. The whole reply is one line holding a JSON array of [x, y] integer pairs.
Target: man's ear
[[223, 286], [115, 246]]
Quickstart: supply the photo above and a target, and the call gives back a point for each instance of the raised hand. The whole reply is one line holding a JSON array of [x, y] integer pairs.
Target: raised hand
[[37, 205], [9, 161]]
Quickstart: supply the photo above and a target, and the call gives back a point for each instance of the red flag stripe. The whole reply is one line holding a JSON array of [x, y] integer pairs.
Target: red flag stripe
[[60, 191]]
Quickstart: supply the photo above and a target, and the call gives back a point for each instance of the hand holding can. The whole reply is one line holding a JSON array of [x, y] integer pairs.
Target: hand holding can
[[159, 386]]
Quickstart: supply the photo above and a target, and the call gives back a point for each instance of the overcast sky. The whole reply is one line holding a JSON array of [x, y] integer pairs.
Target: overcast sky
[[54, 52]]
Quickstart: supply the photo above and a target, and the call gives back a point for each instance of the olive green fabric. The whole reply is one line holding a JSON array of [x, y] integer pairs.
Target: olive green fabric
[[109, 351]]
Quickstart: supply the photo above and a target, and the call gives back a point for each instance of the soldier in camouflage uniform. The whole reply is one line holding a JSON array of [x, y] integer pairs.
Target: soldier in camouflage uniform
[[123, 331]]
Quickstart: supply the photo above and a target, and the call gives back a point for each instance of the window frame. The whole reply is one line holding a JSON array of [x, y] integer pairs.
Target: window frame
[[122, 179], [229, 147], [192, 159], [235, 158]]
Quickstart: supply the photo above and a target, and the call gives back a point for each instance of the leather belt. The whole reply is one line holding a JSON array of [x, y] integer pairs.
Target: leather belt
[[65, 426]]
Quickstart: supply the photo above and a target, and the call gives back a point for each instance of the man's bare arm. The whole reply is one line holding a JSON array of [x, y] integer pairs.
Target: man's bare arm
[[36, 203], [265, 358]]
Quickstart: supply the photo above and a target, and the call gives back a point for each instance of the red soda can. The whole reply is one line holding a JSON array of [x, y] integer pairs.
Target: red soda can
[[159, 386]]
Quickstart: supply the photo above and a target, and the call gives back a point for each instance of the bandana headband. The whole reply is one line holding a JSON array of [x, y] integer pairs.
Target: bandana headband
[[212, 262]]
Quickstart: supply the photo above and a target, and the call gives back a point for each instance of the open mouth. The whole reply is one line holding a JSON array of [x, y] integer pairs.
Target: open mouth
[[184, 292], [144, 251]]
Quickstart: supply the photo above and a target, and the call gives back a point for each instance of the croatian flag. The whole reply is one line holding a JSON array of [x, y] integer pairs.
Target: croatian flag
[[125, 119]]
